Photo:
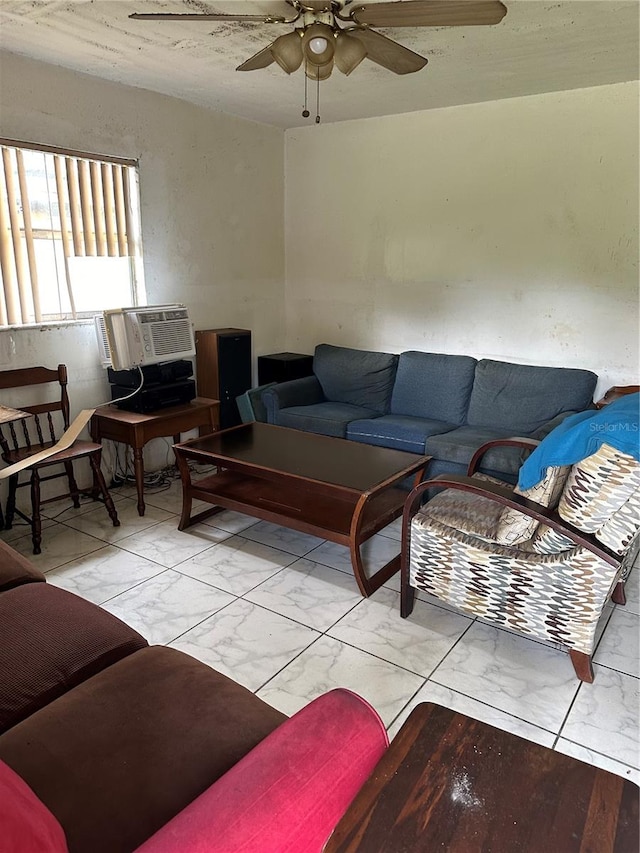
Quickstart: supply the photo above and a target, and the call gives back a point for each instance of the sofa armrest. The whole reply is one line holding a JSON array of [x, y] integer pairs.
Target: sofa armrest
[[297, 392], [291, 790], [514, 441]]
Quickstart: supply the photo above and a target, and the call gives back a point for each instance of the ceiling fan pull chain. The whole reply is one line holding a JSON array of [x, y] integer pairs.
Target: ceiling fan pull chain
[[318, 96], [305, 111]]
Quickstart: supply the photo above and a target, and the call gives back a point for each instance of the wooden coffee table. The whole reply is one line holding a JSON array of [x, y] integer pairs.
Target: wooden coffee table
[[449, 782], [340, 490]]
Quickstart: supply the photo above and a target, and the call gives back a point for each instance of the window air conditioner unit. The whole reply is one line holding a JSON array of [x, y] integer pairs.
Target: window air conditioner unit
[[132, 337]]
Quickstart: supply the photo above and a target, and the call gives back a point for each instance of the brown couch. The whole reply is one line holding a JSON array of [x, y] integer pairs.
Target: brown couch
[[115, 737]]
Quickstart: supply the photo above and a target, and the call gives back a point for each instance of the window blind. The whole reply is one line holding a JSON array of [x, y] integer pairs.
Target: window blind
[[81, 201]]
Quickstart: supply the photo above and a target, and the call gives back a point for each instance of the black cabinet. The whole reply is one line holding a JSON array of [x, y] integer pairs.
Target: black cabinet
[[282, 366]]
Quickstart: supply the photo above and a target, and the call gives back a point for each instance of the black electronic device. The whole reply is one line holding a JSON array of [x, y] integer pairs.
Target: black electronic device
[[154, 374], [156, 397], [283, 366]]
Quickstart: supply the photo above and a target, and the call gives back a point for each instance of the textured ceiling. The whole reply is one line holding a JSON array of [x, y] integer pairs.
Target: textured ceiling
[[538, 47]]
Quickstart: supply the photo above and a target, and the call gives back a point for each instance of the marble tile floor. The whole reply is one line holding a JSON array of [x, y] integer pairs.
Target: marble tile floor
[[280, 612]]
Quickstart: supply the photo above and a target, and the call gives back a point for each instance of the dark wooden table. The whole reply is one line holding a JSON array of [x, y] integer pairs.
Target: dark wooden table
[[136, 429], [451, 783], [341, 490]]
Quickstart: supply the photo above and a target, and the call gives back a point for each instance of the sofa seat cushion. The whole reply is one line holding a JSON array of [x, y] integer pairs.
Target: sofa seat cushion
[[121, 754], [16, 569], [400, 432], [323, 418], [287, 794], [433, 385], [26, 824], [50, 641], [521, 398], [460, 444], [357, 377]]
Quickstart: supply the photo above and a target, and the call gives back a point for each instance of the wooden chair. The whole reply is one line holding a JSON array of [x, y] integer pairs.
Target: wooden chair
[[22, 439]]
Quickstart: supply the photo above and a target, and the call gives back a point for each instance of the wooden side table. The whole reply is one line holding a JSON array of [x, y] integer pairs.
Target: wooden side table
[[135, 429], [448, 782]]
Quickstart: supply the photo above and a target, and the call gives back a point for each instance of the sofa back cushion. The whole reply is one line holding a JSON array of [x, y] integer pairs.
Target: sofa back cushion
[[433, 385], [50, 641], [26, 824], [359, 377], [521, 398]]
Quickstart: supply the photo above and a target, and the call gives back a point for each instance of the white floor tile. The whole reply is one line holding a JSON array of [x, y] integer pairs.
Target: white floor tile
[[375, 552], [589, 756], [20, 529], [620, 646], [103, 574], [472, 708], [282, 538], [170, 499], [65, 509], [97, 522], [418, 643], [167, 605], [511, 673], [166, 545], [393, 530], [60, 545], [308, 592], [236, 564], [605, 716], [246, 642], [328, 663], [232, 522]]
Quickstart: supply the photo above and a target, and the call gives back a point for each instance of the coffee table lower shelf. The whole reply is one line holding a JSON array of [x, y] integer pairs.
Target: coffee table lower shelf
[[347, 518]]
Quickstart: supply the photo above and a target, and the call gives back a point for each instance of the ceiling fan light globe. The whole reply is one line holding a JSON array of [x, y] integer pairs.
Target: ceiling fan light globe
[[349, 53], [318, 45], [287, 51]]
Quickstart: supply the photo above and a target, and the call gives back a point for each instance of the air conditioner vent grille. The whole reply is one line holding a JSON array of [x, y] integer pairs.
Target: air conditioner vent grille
[[171, 336]]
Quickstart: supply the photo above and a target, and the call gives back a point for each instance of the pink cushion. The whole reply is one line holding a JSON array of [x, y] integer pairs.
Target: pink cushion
[[26, 824], [288, 793]]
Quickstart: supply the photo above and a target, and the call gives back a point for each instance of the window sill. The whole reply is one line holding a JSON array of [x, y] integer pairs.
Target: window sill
[[45, 327]]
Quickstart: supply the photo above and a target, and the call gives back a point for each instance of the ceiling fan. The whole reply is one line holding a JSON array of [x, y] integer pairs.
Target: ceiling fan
[[322, 42]]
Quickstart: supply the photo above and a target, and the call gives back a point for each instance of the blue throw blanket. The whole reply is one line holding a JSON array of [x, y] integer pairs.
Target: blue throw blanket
[[580, 435]]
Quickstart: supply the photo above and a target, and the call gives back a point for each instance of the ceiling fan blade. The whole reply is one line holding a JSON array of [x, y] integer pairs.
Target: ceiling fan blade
[[388, 53], [259, 60], [430, 13], [213, 16]]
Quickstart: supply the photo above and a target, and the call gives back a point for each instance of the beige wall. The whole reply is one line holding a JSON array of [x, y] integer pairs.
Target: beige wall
[[505, 229]]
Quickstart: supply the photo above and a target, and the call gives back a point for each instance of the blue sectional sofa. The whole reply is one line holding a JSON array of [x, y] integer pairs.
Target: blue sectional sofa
[[443, 405]]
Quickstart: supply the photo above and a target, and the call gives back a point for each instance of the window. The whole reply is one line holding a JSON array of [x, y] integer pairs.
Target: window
[[69, 234]]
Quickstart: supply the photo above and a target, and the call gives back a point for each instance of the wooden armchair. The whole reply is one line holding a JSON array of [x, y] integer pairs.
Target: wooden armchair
[[22, 439]]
